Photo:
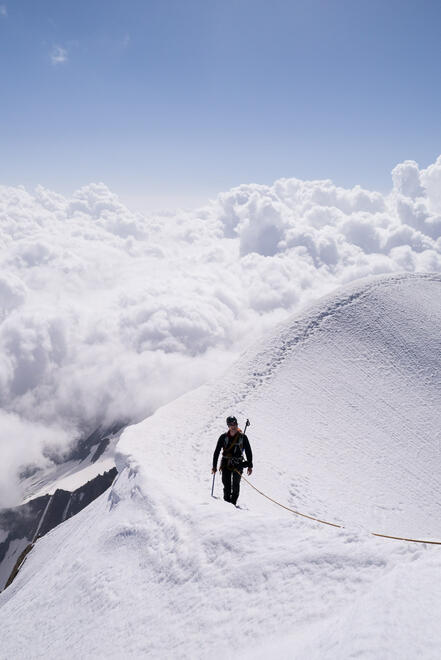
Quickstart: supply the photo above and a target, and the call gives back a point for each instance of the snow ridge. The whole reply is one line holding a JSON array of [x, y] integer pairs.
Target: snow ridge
[[344, 402]]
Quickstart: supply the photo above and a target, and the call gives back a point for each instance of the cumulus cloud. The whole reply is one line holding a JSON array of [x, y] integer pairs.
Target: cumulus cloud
[[431, 180], [106, 314], [12, 292], [407, 179], [58, 55], [23, 444]]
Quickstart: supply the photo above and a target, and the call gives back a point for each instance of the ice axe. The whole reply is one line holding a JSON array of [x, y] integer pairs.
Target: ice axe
[[247, 424]]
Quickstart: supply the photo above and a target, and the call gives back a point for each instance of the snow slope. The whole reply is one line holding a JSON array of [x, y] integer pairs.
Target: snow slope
[[344, 401]]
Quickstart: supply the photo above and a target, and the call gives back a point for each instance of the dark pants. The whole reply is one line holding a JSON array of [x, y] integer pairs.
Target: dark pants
[[231, 482]]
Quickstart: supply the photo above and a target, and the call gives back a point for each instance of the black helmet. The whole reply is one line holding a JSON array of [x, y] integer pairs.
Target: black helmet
[[231, 421]]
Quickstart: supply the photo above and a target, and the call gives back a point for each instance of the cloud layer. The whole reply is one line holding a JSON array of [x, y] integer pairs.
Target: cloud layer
[[106, 314]]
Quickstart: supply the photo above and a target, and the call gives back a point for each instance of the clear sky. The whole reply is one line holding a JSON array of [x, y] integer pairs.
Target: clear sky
[[171, 101]]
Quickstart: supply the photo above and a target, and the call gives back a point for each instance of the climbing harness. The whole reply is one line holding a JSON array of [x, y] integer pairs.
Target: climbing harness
[[237, 442]]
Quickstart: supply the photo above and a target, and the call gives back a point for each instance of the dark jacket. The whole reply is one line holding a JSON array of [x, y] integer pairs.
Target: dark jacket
[[231, 449]]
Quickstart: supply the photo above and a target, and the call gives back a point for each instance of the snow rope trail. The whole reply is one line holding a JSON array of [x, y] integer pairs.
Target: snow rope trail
[[324, 522], [402, 538]]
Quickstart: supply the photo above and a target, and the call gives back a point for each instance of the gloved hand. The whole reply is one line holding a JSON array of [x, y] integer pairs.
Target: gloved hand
[[213, 470], [249, 471]]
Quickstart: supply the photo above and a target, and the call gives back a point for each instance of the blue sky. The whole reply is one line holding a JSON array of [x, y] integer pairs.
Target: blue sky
[[169, 102]]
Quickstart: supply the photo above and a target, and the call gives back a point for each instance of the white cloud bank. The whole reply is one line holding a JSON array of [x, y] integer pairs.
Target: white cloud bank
[[106, 314]]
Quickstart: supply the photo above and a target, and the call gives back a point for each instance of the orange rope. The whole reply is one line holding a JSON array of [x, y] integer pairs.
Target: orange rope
[[324, 522]]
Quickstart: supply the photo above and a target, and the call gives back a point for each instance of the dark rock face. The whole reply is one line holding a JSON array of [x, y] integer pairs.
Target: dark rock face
[[96, 442], [24, 524]]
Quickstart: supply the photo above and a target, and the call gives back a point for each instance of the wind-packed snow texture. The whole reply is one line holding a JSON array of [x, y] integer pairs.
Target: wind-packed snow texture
[[344, 401], [106, 315]]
